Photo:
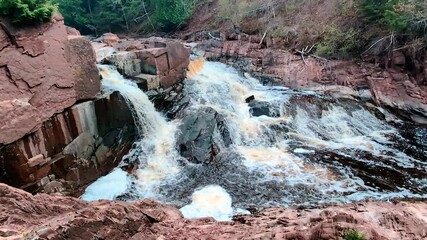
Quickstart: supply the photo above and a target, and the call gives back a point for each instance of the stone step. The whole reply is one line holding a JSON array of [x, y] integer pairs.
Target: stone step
[[147, 81]]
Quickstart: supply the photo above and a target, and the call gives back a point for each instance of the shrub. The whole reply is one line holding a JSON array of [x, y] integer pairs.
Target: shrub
[[336, 41], [396, 15], [171, 14], [353, 235], [27, 12]]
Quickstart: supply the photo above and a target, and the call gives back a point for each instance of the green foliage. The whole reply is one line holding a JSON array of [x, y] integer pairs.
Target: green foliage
[[171, 14], [353, 235], [27, 12], [337, 41], [396, 15], [98, 16]]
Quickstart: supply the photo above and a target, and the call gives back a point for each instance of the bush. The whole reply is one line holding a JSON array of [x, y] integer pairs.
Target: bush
[[353, 235], [336, 41], [396, 15], [27, 12], [169, 15]]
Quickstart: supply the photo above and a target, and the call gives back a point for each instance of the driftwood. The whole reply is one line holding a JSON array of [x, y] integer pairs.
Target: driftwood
[[305, 52], [213, 37], [263, 37]]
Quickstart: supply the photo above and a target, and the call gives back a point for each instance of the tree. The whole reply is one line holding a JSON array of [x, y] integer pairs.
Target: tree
[[130, 15], [27, 12]]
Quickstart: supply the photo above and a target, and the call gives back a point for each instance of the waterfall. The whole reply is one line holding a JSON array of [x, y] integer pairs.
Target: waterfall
[[155, 148], [288, 148]]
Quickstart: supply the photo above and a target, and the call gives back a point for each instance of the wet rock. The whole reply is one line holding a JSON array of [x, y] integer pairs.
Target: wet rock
[[202, 135], [81, 147], [250, 99], [260, 108], [406, 96]]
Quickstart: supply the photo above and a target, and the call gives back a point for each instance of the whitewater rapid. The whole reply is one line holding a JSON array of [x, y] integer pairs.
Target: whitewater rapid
[[310, 149]]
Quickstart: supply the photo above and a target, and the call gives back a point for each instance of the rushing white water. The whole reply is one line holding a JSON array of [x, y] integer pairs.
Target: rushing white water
[[310, 149], [332, 128], [108, 187], [155, 151]]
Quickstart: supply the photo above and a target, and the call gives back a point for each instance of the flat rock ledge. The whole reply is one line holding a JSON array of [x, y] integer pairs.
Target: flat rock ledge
[[24, 216]]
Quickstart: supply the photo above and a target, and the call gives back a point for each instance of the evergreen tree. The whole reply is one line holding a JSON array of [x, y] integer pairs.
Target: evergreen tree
[[27, 12]]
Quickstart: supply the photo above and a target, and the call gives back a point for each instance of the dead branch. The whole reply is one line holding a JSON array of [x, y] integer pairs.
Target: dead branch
[[213, 37], [263, 37], [305, 52]]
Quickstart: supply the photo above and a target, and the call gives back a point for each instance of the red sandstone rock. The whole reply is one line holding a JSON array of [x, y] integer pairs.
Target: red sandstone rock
[[403, 95], [166, 58], [109, 38], [41, 73], [56, 217]]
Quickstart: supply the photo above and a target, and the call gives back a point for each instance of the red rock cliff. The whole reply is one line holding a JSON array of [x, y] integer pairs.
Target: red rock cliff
[[42, 72]]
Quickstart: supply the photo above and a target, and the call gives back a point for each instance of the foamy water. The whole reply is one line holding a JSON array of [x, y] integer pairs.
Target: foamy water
[[155, 149], [312, 151], [211, 201]]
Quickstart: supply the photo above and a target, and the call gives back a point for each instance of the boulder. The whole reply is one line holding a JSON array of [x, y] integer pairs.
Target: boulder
[[127, 63], [110, 39], [197, 140], [260, 108], [407, 97], [166, 58], [42, 72]]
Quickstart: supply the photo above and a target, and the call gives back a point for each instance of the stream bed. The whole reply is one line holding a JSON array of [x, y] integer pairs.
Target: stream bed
[[238, 144]]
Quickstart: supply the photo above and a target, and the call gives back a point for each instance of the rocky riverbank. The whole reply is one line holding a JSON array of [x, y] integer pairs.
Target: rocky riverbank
[[400, 87], [23, 216], [60, 133]]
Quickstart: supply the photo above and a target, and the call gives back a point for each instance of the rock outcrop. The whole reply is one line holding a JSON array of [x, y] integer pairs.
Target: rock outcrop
[[71, 149], [49, 143], [396, 87], [54, 217], [42, 72], [154, 62], [202, 135]]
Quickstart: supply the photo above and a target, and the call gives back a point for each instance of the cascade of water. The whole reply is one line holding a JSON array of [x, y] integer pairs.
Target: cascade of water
[[155, 150], [288, 147]]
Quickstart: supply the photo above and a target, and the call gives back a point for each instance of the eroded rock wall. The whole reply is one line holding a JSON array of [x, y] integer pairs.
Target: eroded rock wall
[[56, 134], [43, 70], [71, 149]]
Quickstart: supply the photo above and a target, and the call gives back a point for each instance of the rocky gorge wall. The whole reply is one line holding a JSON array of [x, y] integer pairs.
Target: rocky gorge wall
[[43, 70], [57, 133]]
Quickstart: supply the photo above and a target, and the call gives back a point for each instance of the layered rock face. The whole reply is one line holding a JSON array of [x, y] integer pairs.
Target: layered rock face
[[397, 87], [54, 217], [154, 62], [71, 149], [48, 142], [42, 72]]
